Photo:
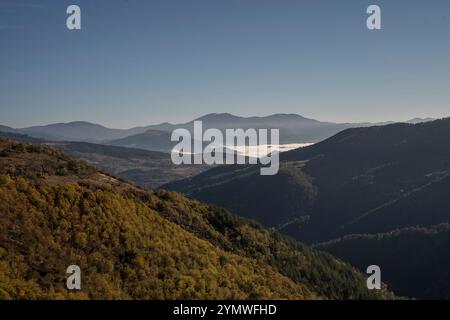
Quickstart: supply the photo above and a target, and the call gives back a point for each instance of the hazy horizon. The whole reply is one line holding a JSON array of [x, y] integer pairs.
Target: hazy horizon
[[136, 63], [188, 120]]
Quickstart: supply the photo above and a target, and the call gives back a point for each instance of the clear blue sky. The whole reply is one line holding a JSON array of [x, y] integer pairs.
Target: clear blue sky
[[139, 62]]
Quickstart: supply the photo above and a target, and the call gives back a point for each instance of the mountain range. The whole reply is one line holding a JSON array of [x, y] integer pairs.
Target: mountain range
[[362, 183], [293, 129]]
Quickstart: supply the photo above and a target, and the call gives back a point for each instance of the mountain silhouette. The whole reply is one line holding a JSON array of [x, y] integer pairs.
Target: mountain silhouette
[[293, 129]]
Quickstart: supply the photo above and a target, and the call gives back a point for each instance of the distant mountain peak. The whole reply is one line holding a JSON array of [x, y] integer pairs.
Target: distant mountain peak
[[67, 124], [217, 116], [229, 117], [289, 116], [84, 123]]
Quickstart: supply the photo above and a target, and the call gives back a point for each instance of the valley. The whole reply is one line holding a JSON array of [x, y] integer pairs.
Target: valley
[[353, 194]]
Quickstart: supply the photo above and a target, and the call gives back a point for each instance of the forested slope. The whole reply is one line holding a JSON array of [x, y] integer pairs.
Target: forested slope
[[133, 243]]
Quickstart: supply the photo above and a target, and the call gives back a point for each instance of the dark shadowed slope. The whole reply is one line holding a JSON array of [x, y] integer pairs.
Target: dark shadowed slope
[[362, 180], [414, 260], [343, 179]]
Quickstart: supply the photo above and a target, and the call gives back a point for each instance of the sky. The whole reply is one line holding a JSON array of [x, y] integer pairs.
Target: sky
[[140, 62]]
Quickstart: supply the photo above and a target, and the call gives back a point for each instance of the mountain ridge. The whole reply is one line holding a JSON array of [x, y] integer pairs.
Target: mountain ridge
[[294, 128]]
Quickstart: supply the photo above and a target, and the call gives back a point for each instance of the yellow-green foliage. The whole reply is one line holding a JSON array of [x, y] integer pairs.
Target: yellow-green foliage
[[323, 274], [124, 248]]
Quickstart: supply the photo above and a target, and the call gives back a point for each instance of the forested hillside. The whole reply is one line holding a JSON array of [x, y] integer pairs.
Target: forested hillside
[[133, 243]]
